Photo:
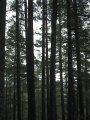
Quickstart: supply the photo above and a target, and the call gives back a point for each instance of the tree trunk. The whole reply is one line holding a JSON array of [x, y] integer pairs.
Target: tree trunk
[[30, 64], [18, 62], [53, 115], [60, 64], [86, 90], [6, 100], [71, 99], [43, 62], [79, 80], [14, 99], [47, 66], [2, 55]]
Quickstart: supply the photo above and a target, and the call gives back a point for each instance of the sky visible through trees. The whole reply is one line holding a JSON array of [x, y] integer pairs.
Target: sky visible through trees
[[44, 59]]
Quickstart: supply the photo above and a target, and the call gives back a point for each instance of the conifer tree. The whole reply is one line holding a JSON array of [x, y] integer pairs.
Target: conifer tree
[[79, 80], [30, 64], [71, 97], [18, 62], [2, 55], [53, 114], [43, 62]]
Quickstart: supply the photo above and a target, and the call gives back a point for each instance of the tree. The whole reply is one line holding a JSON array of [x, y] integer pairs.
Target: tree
[[43, 61], [53, 115], [71, 97], [79, 80], [18, 62], [30, 64], [60, 64], [47, 63], [11, 69], [68, 29], [2, 55]]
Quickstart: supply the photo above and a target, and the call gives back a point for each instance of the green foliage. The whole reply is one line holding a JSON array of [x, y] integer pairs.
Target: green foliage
[[10, 54]]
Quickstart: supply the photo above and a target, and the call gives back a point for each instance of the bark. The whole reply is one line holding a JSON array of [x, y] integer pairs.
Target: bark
[[47, 66], [86, 90], [43, 62], [71, 99], [2, 55], [30, 64], [79, 80], [53, 115], [14, 99], [6, 101], [60, 65], [18, 62]]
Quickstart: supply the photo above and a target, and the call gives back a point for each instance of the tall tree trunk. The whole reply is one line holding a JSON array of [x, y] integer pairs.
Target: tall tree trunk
[[53, 115], [14, 99], [71, 100], [60, 64], [25, 5], [6, 101], [14, 86], [9, 101], [86, 90], [79, 80], [61, 82], [2, 55], [47, 65], [43, 62], [30, 64], [18, 62]]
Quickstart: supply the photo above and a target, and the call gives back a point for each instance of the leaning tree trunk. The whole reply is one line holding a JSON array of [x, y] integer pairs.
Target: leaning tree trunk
[[2, 55], [30, 64]]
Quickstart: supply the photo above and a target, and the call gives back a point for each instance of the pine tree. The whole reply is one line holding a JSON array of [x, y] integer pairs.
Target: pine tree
[[71, 97], [79, 80], [53, 114], [47, 62], [30, 64], [60, 64], [2, 55], [18, 62], [43, 62]]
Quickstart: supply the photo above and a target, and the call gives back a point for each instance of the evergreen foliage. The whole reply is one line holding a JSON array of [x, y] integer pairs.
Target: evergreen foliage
[[45, 60]]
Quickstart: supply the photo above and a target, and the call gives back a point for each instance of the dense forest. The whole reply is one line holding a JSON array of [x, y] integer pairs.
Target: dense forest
[[44, 59]]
